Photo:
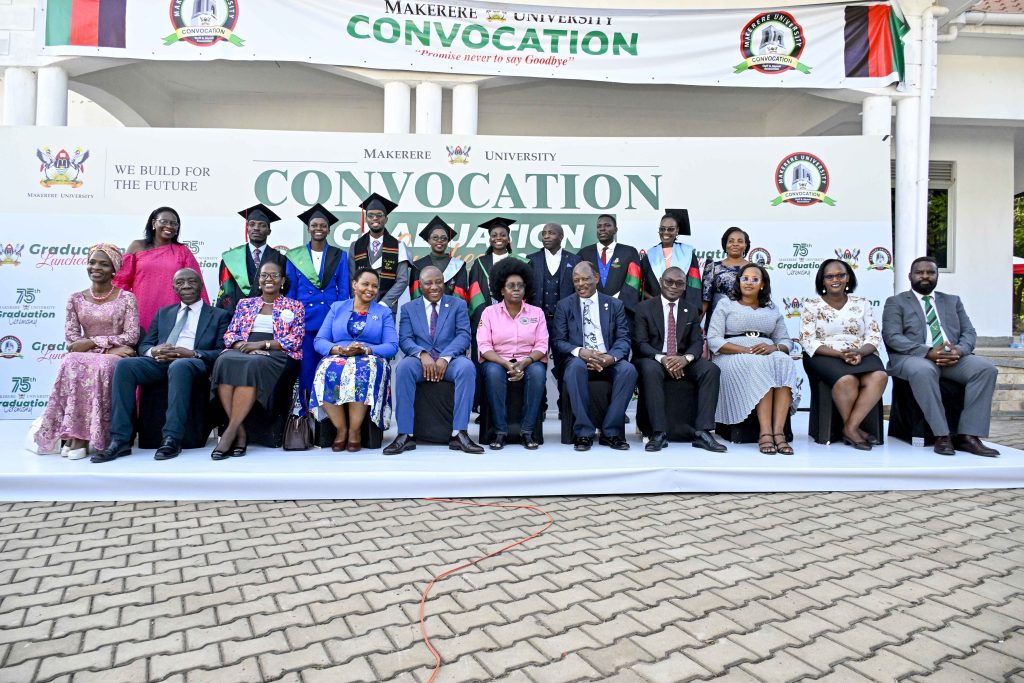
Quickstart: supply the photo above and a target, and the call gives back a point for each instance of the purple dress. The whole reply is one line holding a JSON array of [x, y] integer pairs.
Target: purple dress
[[79, 406]]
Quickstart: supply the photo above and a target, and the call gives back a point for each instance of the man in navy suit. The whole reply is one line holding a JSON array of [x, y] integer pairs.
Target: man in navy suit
[[592, 337], [181, 345], [434, 335]]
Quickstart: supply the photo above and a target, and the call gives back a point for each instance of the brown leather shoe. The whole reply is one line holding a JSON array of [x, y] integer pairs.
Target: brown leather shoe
[[973, 445], [943, 445]]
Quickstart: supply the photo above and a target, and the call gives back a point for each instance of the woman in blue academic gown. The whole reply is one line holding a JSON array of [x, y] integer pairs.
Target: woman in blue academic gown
[[318, 273]]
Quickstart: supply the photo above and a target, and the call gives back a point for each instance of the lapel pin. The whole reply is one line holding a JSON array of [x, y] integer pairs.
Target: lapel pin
[[446, 305], [373, 317]]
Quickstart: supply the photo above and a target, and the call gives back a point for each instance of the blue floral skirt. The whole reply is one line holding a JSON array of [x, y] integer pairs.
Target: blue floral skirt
[[353, 379]]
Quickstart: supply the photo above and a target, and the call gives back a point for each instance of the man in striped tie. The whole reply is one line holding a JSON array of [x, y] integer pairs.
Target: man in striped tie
[[929, 337]]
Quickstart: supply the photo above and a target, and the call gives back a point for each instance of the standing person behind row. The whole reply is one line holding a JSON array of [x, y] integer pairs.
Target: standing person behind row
[[667, 253], [552, 282], [380, 251], [240, 266], [618, 265], [719, 279], [150, 264], [318, 274], [454, 272]]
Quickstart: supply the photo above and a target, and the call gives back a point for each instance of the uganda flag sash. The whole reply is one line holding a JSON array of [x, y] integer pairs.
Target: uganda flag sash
[[85, 22], [874, 42]]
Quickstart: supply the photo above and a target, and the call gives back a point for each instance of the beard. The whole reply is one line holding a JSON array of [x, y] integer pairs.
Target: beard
[[923, 288]]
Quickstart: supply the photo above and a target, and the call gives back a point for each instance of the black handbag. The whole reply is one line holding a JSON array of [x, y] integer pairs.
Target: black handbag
[[298, 429]]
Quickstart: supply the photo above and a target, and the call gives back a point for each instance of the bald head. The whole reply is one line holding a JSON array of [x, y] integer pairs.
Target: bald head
[[432, 284], [673, 282], [188, 285]]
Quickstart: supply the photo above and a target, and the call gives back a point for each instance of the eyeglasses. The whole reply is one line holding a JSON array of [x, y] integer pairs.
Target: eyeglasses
[[375, 214], [163, 222], [834, 276], [672, 283], [514, 286], [270, 276], [750, 280]]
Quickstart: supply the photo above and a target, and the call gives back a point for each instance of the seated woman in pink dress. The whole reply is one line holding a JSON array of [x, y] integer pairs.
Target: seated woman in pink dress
[[101, 327], [150, 265]]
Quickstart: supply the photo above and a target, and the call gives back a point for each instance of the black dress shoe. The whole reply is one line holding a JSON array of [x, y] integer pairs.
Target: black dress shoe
[[402, 443], [169, 448], [657, 441], [530, 443], [582, 443], [974, 446], [943, 446], [462, 442], [703, 439], [616, 442], [116, 449], [498, 442]]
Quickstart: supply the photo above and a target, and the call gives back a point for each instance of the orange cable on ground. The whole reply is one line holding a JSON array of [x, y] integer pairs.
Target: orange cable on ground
[[438, 577]]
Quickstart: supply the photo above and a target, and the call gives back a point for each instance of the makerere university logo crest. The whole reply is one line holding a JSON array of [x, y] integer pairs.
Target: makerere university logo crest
[[802, 180], [62, 169], [204, 22], [772, 43], [458, 155]]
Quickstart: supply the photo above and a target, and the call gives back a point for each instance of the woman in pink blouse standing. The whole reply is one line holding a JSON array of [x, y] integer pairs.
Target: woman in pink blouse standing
[[101, 327], [512, 340], [840, 338], [150, 264]]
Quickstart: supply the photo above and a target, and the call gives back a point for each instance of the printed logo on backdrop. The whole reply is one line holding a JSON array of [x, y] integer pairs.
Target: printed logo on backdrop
[[204, 22], [62, 169], [772, 43], [458, 155], [792, 307], [496, 15], [21, 399], [879, 258], [850, 256], [801, 262], [761, 257], [10, 347], [11, 255], [52, 352], [802, 179], [25, 311], [59, 256]]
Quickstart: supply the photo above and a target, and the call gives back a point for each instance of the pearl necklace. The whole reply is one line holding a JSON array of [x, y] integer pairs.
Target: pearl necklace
[[95, 297]]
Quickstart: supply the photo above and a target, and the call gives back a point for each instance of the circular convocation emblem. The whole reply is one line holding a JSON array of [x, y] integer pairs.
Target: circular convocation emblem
[[802, 179], [772, 43], [204, 22]]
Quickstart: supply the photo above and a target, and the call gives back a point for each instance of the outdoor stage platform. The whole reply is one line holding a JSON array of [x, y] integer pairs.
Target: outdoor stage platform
[[434, 471]]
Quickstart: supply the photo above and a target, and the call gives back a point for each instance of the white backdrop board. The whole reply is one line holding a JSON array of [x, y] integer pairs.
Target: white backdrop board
[[801, 199]]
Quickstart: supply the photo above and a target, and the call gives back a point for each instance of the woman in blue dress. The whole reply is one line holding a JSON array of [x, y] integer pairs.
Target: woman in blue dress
[[319, 276], [357, 339]]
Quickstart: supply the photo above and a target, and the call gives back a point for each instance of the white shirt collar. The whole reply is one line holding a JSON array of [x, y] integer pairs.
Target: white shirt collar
[[611, 248], [591, 298], [427, 304]]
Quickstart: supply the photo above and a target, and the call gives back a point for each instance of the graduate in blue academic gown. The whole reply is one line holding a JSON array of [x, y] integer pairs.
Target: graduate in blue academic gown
[[318, 276], [669, 253]]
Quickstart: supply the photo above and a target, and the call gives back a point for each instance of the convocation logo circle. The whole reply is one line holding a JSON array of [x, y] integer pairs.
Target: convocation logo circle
[[772, 43], [879, 258], [761, 257], [204, 22], [802, 179], [10, 347]]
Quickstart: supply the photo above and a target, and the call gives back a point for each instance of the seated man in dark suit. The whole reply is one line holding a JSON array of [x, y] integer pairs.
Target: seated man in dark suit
[[434, 335], [667, 346], [929, 336], [591, 334], [181, 344]]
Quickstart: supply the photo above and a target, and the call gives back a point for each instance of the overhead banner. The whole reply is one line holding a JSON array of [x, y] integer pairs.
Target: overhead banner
[[827, 46], [802, 200]]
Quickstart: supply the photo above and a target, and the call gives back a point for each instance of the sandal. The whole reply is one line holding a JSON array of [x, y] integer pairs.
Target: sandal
[[779, 447], [766, 447]]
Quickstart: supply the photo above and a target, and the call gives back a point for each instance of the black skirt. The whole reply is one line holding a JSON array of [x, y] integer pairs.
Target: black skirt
[[830, 369], [238, 369]]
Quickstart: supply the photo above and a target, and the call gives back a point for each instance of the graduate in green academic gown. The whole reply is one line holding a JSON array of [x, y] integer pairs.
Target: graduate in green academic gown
[[454, 271], [671, 253], [240, 266]]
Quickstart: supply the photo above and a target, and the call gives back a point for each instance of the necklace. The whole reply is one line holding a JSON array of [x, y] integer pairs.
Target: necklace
[[96, 297]]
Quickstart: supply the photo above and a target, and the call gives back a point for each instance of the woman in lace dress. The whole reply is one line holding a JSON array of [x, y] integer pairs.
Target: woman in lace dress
[[101, 327]]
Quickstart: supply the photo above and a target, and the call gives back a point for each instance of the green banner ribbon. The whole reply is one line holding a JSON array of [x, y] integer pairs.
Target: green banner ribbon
[[803, 194], [759, 60], [203, 32]]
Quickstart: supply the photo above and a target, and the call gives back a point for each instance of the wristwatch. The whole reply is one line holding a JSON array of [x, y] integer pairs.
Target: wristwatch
[[266, 345], [688, 357]]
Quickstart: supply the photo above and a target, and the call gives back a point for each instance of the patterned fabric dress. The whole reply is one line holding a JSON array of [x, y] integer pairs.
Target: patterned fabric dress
[[843, 329], [80, 403], [746, 378], [717, 282], [354, 379]]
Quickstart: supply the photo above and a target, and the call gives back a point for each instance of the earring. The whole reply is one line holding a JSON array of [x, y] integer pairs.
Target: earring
[[847, 288]]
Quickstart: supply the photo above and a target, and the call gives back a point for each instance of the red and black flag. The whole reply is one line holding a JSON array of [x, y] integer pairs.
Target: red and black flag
[[874, 42], [98, 23]]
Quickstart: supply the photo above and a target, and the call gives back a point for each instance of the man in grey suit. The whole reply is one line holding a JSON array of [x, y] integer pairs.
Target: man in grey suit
[[929, 336]]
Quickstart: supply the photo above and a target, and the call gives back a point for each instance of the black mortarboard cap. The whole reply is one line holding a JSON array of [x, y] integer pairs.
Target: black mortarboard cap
[[317, 211], [682, 217], [376, 202], [259, 212], [497, 222], [433, 225]]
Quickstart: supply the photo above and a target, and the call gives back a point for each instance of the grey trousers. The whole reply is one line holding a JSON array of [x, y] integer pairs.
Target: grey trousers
[[979, 379]]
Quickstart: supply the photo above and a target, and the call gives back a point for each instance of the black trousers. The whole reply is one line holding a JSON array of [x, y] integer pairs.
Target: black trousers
[[702, 373], [130, 373]]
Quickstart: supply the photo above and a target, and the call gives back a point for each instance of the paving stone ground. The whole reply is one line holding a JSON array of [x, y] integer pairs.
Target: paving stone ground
[[736, 587]]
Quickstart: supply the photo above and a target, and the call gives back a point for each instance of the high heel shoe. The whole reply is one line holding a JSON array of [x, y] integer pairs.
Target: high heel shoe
[[859, 445], [355, 445]]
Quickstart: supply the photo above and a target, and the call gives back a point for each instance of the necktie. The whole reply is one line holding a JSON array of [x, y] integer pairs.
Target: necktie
[[256, 259], [672, 347], [374, 250], [433, 330], [179, 325], [589, 328], [931, 318], [604, 256]]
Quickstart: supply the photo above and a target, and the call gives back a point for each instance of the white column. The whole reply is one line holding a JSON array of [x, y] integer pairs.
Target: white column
[[19, 96], [929, 61], [396, 107], [907, 142], [428, 107], [876, 115], [52, 97], [465, 107]]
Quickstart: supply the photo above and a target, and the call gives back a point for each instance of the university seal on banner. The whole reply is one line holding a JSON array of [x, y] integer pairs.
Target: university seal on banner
[[204, 22], [458, 154], [10, 347], [761, 257], [772, 43], [879, 258], [62, 169], [849, 256], [802, 180], [11, 255]]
